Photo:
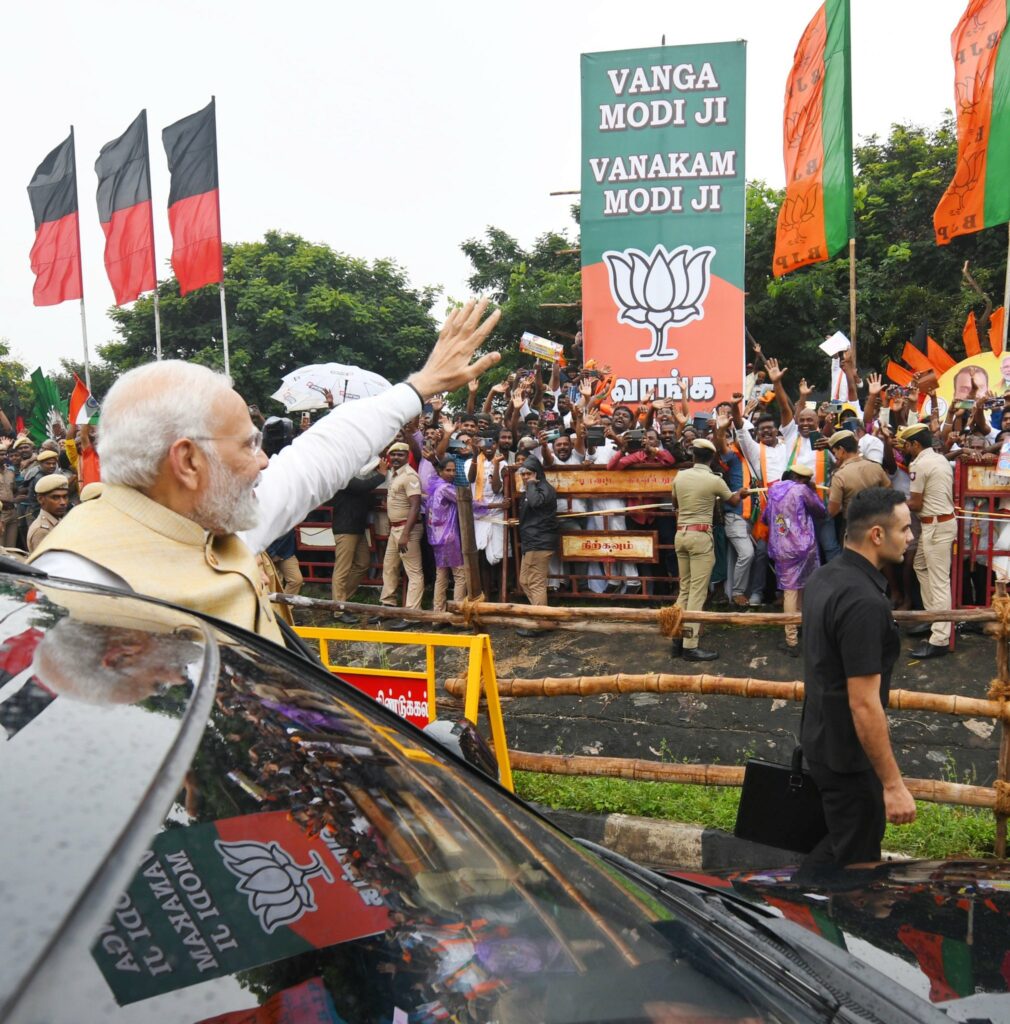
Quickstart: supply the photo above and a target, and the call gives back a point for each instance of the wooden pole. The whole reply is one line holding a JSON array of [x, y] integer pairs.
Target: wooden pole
[[852, 302], [1006, 295], [601, 619], [727, 686], [718, 775], [1003, 764], [468, 539]]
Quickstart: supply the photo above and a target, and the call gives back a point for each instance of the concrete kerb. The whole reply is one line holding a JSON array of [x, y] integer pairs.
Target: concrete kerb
[[669, 845]]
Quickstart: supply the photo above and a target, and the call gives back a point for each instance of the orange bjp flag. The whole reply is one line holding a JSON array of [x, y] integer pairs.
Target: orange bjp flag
[[816, 219]]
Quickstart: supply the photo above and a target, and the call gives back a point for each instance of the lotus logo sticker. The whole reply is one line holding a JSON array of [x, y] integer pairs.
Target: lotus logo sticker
[[659, 292], [277, 887]]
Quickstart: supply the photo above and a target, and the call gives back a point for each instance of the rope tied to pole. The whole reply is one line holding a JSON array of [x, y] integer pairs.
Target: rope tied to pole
[[1002, 805], [999, 689], [670, 621], [1001, 606], [468, 608]]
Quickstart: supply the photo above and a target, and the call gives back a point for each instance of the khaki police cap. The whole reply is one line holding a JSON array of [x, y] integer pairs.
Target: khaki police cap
[[838, 436], [704, 443], [399, 446], [909, 433], [53, 482], [92, 490], [46, 455], [23, 439], [798, 469]]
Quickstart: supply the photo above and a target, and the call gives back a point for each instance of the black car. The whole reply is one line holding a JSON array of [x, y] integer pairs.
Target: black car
[[196, 825]]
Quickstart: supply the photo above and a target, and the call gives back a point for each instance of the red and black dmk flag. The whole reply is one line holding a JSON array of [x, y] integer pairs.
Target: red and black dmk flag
[[56, 254], [124, 209], [194, 213]]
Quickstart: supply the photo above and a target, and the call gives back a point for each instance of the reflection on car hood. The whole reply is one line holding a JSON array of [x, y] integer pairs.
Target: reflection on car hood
[[940, 928], [94, 690]]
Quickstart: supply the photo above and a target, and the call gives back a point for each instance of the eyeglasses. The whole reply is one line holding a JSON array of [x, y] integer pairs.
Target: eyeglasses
[[253, 442]]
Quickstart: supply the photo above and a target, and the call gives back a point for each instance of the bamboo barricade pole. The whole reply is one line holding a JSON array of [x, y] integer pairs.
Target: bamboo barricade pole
[[1000, 690], [726, 686], [596, 619], [718, 775]]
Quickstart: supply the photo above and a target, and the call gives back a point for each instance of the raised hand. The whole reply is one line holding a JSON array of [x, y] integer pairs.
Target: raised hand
[[472, 386], [874, 383], [805, 389], [775, 373], [448, 367]]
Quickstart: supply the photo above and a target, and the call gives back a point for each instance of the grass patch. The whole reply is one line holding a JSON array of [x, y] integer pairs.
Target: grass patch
[[940, 830]]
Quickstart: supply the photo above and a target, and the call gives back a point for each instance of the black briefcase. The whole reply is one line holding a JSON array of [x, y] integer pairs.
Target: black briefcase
[[780, 806]]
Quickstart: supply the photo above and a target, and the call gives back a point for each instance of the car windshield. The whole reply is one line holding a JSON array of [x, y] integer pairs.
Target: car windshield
[[322, 861]]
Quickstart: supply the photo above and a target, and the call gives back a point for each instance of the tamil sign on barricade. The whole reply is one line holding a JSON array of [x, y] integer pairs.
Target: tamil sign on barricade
[[663, 216]]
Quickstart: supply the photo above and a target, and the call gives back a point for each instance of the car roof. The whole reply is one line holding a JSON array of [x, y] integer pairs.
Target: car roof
[[88, 770]]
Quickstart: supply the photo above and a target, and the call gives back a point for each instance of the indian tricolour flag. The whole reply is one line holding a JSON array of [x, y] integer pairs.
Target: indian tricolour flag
[[979, 194], [83, 407]]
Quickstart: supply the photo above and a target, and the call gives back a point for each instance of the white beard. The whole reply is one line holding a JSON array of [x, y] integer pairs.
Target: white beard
[[227, 506]]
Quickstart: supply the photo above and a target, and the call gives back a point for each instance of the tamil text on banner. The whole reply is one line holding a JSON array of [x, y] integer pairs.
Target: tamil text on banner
[[663, 211], [404, 695], [216, 898]]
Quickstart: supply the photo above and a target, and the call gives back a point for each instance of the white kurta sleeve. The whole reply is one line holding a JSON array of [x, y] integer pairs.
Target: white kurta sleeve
[[322, 461]]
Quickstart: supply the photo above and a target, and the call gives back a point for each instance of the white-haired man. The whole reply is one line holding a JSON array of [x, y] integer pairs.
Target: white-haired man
[[190, 498]]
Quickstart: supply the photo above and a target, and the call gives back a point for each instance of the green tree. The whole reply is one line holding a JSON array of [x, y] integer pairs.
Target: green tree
[[520, 281], [903, 277], [290, 303], [15, 386]]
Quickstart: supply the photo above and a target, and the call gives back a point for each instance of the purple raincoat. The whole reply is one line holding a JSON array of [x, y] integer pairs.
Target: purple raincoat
[[792, 535], [443, 524]]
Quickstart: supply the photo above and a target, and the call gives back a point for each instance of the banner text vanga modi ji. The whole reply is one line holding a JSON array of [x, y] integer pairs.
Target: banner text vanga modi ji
[[663, 217]]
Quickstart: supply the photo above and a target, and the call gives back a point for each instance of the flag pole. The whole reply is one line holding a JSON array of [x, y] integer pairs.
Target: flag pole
[[154, 261], [1006, 292], [224, 330], [80, 269], [852, 299], [217, 195]]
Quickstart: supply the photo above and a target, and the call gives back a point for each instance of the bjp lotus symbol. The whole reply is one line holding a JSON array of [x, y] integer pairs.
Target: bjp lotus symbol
[[659, 292], [277, 887]]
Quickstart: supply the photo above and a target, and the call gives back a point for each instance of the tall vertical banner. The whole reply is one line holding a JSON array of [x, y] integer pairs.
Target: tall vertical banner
[[663, 219]]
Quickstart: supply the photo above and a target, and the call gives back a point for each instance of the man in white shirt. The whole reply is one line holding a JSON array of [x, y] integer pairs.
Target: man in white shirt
[[176, 435]]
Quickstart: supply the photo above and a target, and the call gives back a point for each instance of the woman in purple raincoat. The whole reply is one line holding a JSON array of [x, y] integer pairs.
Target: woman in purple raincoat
[[793, 506], [443, 535]]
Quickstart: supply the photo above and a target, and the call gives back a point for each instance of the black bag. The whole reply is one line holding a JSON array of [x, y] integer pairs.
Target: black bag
[[780, 806]]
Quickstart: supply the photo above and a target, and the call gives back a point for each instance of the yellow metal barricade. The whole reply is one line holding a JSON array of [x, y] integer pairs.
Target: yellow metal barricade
[[480, 676]]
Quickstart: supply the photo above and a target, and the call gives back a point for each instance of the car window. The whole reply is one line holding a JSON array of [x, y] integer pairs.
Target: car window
[[323, 862]]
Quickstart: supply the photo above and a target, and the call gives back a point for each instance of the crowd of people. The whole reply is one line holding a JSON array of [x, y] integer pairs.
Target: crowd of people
[[759, 503], [763, 506]]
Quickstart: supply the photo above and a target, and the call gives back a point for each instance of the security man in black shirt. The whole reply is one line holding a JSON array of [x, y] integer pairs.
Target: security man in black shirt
[[850, 645]]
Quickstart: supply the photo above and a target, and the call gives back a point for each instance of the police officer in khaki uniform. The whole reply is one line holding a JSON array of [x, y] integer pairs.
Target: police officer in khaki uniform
[[53, 493], [852, 473], [694, 494], [931, 483], [403, 506]]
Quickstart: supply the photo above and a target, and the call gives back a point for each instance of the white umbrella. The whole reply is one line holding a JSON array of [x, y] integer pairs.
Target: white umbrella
[[302, 389]]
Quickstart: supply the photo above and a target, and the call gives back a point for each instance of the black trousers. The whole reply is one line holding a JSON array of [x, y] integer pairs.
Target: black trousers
[[854, 811]]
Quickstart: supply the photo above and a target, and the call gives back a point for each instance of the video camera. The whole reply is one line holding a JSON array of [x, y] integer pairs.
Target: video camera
[[634, 440], [278, 433]]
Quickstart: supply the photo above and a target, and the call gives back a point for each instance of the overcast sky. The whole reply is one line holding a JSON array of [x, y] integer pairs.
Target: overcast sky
[[385, 130]]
